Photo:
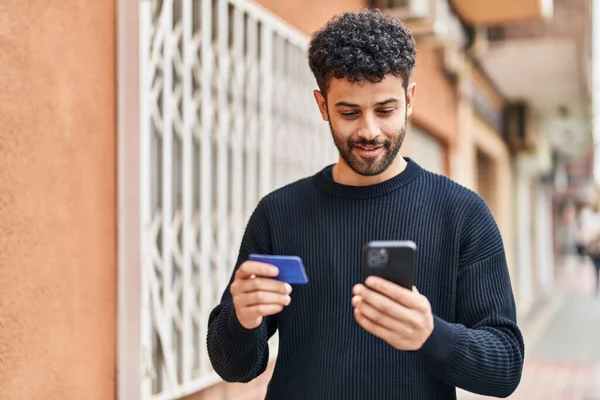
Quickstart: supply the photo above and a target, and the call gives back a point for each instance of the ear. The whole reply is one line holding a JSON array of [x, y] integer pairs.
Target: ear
[[322, 104], [410, 97]]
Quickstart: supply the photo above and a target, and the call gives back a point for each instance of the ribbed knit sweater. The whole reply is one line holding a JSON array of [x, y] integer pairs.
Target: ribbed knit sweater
[[323, 352]]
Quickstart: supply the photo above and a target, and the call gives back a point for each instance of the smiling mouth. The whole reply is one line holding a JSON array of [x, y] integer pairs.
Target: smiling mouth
[[368, 150]]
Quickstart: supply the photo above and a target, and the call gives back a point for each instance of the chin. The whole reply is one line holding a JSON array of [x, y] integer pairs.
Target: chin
[[364, 170], [366, 166], [370, 173]]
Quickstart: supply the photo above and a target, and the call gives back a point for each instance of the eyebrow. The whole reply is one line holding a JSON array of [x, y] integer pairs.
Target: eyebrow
[[379, 103]]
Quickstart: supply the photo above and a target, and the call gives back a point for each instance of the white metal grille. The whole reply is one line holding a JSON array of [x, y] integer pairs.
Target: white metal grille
[[227, 115]]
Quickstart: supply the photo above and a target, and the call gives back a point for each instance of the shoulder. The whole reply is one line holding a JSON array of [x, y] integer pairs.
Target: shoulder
[[287, 195], [455, 198], [275, 206], [477, 232]]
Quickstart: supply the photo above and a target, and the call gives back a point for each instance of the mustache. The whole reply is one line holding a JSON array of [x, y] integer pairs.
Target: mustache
[[365, 142]]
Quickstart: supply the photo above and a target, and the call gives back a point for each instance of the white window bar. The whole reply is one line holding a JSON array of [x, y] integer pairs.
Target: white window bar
[[189, 120], [206, 176]]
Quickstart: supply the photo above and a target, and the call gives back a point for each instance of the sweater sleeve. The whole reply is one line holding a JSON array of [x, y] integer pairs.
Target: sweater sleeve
[[238, 354], [483, 351]]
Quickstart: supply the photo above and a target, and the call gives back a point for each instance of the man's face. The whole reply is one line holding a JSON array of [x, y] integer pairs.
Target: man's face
[[367, 121]]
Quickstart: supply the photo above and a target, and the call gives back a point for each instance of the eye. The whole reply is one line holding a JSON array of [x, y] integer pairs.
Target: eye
[[349, 114], [386, 111]]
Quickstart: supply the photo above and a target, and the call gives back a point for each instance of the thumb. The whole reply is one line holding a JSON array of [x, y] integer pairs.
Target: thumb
[[415, 290]]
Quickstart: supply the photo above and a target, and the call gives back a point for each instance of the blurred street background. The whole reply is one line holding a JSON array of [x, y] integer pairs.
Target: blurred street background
[[562, 354], [137, 136]]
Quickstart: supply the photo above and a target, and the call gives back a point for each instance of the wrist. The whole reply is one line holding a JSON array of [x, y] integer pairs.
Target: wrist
[[440, 345], [236, 327], [429, 327]]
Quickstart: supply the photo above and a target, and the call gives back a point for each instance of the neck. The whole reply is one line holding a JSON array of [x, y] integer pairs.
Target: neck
[[345, 175]]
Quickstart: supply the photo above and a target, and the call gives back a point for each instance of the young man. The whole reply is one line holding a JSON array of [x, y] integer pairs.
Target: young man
[[341, 338]]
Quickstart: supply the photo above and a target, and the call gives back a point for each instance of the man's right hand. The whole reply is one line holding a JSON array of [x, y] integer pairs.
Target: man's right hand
[[256, 294]]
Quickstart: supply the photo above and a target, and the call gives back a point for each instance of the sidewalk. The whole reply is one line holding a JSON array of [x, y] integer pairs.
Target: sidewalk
[[562, 359]]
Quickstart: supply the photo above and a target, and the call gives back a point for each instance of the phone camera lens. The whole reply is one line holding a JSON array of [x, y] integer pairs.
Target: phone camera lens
[[373, 258], [383, 256], [377, 258]]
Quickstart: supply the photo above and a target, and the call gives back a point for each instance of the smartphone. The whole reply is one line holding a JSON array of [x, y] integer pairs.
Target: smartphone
[[391, 260], [291, 268]]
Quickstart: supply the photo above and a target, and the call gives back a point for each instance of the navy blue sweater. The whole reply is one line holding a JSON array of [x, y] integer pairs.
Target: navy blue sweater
[[323, 352]]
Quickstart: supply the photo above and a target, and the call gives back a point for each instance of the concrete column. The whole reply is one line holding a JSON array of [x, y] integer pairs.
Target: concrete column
[[57, 200], [463, 153], [524, 249], [545, 244]]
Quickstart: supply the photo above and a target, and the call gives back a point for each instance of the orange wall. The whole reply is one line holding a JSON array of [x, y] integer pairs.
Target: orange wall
[[436, 101], [57, 200], [310, 15], [501, 12]]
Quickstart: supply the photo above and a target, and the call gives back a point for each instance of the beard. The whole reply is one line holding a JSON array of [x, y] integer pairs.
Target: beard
[[373, 165]]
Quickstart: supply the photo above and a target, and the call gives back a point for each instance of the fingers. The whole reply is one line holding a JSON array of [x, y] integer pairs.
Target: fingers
[[385, 305], [380, 318], [261, 310], [250, 268], [259, 284], [410, 299], [262, 298], [372, 327], [256, 294]]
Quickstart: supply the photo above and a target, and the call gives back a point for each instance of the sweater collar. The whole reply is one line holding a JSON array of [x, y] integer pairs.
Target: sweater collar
[[324, 182]]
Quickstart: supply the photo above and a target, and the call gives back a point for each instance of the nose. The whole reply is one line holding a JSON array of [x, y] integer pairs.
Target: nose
[[369, 129]]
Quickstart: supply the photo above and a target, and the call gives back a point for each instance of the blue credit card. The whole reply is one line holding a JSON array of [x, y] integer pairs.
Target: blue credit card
[[291, 268]]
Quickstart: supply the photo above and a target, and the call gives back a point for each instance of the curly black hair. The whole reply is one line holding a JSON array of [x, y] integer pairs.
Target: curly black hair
[[367, 44]]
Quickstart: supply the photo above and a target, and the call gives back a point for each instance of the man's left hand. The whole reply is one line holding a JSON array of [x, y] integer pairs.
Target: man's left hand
[[401, 317]]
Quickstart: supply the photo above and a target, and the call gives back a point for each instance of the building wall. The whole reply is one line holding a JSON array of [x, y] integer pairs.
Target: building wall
[[436, 98], [436, 103], [310, 15], [57, 200], [428, 151]]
